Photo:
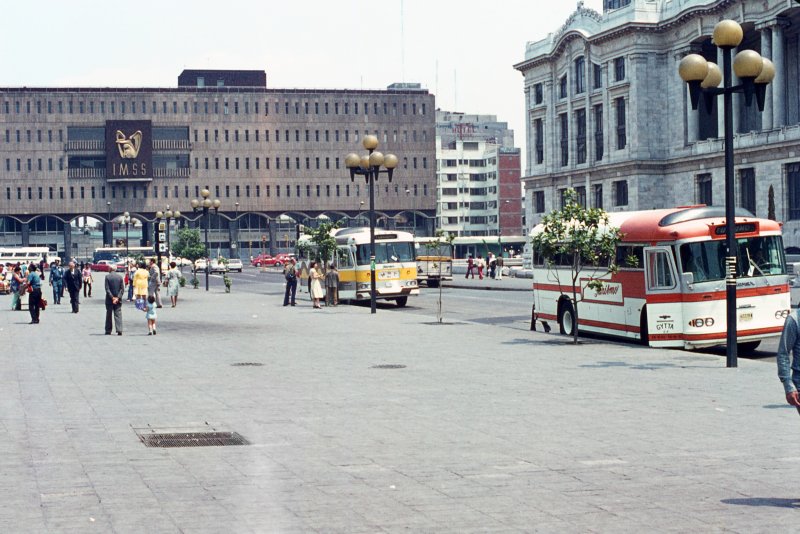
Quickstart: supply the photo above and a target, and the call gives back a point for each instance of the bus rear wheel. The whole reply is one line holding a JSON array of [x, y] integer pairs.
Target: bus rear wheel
[[567, 319], [748, 347], [401, 302], [433, 283]]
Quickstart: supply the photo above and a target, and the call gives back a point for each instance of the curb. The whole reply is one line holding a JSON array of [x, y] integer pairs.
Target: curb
[[485, 288]]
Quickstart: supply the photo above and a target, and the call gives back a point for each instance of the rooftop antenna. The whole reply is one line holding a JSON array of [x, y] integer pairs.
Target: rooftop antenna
[[455, 89], [402, 42]]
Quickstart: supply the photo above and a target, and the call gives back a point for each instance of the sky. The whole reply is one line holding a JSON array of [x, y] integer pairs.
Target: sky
[[461, 51]]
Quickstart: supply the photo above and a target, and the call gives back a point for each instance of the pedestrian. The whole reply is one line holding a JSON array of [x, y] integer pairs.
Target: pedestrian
[[86, 275], [316, 285], [72, 281], [140, 280], [290, 274], [332, 286], [56, 280], [173, 282], [17, 286], [115, 289], [154, 283], [34, 282], [470, 266], [129, 272], [492, 261], [481, 266], [150, 315], [499, 263]]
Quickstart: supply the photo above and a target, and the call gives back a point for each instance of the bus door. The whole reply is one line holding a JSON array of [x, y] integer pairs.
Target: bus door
[[664, 308], [345, 263]]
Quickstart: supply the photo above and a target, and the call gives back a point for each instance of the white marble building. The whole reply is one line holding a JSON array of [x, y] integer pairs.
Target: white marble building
[[608, 114]]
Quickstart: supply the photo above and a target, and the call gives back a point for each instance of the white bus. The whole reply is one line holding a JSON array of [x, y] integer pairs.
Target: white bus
[[673, 294], [27, 255], [434, 260]]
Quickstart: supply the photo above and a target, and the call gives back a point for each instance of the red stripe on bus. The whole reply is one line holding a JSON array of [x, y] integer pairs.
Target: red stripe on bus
[[717, 336], [716, 295], [598, 324]]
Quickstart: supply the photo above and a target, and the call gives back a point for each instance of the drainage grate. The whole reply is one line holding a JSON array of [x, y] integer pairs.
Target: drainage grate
[[247, 364], [388, 366], [193, 439]]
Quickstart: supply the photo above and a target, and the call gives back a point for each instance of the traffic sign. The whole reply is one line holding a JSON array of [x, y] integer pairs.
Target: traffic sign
[[162, 247]]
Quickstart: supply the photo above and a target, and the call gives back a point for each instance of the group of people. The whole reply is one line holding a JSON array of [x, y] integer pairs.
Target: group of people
[[315, 280], [495, 266], [27, 279]]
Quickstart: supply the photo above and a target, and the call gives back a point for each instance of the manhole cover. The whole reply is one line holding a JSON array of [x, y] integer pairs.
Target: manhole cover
[[388, 366], [193, 439], [247, 364]]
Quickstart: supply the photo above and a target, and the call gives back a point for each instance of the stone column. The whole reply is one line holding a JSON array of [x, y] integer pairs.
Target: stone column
[[766, 51], [778, 84], [147, 233], [108, 234], [529, 162], [273, 246], [25, 230], [67, 242]]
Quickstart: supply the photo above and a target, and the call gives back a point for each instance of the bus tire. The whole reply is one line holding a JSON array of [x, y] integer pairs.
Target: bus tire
[[433, 283], [644, 332], [566, 319], [401, 302], [748, 347]]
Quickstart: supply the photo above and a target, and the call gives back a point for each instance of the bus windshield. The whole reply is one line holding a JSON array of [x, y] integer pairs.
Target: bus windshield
[[444, 250], [386, 252], [757, 256]]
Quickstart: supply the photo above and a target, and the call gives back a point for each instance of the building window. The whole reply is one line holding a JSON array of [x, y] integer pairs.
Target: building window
[[562, 84], [747, 189], [619, 69], [538, 201], [597, 193], [621, 193], [793, 187], [580, 137], [597, 76], [580, 75], [538, 94], [704, 189], [598, 132], [564, 139], [615, 4], [580, 193], [621, 136], [538, 128]]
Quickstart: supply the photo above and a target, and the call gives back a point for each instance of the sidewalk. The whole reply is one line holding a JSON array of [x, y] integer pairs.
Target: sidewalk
[[507, 283], [482, 428]]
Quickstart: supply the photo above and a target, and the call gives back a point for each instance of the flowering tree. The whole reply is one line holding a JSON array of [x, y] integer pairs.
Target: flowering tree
[[582, 239]]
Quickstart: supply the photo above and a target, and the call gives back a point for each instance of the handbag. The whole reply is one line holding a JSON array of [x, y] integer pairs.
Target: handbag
[[28, 288], [42, 303], [140, 305]]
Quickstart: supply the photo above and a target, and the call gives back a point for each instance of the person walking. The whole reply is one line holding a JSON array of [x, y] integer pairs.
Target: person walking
[[154, 283], [290, 274], [481, 265], [173, 283], [150, 315], [332, 286], [72, 281], [129, 272], [115, 289], [56, 280], [499, 272], [316, 284], [17, 286], [470, 266], [86, 275], [140, 281], [492, 263], [34, 281]]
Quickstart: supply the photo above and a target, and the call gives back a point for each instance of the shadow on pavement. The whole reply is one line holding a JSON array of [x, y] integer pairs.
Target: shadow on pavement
[[765, 501]]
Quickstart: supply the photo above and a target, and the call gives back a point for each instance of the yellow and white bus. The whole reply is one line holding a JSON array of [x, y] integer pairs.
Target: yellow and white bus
[[434, 260], [395, 264]]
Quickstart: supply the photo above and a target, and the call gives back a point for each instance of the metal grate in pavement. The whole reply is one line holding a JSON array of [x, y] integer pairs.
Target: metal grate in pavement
[[193, 439], [388, 366], [246, 364]]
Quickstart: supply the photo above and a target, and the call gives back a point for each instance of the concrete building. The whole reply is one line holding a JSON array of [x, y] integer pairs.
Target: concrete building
[[478, 171], [608, 114], [269, 155]]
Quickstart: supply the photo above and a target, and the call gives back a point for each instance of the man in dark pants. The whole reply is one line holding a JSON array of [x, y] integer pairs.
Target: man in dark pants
[[35, 296], [56, 280], [290, 273], [72, 281], [115, 288]]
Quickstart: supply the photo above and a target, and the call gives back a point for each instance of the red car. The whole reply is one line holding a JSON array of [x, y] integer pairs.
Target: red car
[[104, 266], [266, 260]]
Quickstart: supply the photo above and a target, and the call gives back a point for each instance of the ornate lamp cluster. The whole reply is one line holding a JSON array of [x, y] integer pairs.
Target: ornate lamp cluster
[[206, 204], [370, 164]]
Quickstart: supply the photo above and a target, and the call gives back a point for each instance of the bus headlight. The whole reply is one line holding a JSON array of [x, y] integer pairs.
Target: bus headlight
[[782, 314], [411, 283], [364, 286]]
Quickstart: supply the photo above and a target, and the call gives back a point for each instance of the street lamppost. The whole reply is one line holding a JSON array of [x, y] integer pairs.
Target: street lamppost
[[169, 215], [703, 78], [205, 204], [110, 224], [236, 243], [413, 210], [369, 167], [126, 218]]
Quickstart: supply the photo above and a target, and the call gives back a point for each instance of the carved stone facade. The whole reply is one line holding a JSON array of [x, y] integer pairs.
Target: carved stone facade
[[608, 114]]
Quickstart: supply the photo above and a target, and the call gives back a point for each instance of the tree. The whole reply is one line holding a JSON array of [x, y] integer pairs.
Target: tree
[[583, 239], [188, 245], [434, 247], [324, 241]]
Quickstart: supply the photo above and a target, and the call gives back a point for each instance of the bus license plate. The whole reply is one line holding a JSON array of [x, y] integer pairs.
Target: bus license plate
[[386, 275], [746, 316]]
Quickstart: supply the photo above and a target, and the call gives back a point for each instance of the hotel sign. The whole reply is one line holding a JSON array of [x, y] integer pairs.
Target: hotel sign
[[129, 150]]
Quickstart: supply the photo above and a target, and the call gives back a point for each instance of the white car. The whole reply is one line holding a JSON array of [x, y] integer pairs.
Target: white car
[[235, 264], [200, 265], [217, 267]]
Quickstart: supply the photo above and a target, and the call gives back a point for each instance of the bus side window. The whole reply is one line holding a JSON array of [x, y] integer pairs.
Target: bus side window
[[659, 274], [630, 256], [344, 258]]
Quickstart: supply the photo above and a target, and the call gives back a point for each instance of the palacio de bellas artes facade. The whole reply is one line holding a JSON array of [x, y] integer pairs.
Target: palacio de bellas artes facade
[[73, 160], [608, 114]]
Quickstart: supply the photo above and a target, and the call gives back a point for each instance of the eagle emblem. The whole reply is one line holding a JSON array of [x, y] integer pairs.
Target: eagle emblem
[[129, 146]]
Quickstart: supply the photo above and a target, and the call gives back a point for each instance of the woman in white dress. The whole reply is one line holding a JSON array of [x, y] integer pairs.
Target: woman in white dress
[[316, 284]]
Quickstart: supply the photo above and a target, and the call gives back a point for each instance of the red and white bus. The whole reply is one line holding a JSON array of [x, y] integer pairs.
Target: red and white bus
[[673, 294]]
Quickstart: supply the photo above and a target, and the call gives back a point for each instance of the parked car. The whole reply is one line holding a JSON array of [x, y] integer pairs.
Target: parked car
[[105, 266], [217, 266], [200, 265], [235, 264], [265, 260]]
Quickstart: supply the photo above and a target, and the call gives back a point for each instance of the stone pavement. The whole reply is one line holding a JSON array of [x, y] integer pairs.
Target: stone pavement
[[485, 429], [507, 283]]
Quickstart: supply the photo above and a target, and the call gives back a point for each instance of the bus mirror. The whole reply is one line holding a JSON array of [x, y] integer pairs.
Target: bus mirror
[[688, 278]]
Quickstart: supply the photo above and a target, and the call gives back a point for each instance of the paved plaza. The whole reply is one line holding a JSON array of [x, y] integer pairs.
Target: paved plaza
[[486, 428]]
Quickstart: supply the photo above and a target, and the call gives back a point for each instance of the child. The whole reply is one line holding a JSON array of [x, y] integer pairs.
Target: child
[[150, 315]]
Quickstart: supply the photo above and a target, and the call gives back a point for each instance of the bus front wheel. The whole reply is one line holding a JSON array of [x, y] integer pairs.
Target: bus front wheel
[[567, 319], [401, 301], [433, 283], [748, 347]]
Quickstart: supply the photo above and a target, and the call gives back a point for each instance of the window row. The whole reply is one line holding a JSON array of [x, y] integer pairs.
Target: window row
[[317, 136], [288, 163], [474, 191], [215, 107], [27, 136], [472, 177], [226, 191], [619, 190], [579, 77], [488, 162]]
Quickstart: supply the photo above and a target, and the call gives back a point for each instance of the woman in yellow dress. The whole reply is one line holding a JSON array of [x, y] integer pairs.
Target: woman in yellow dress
[[140, 280]]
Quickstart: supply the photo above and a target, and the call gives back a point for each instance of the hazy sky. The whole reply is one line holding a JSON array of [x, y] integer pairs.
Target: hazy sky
[[462, 51]]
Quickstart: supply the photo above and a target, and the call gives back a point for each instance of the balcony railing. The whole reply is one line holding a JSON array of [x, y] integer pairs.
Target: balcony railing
[[160, 172], [73, 146], [86, 173], [171, 144]]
